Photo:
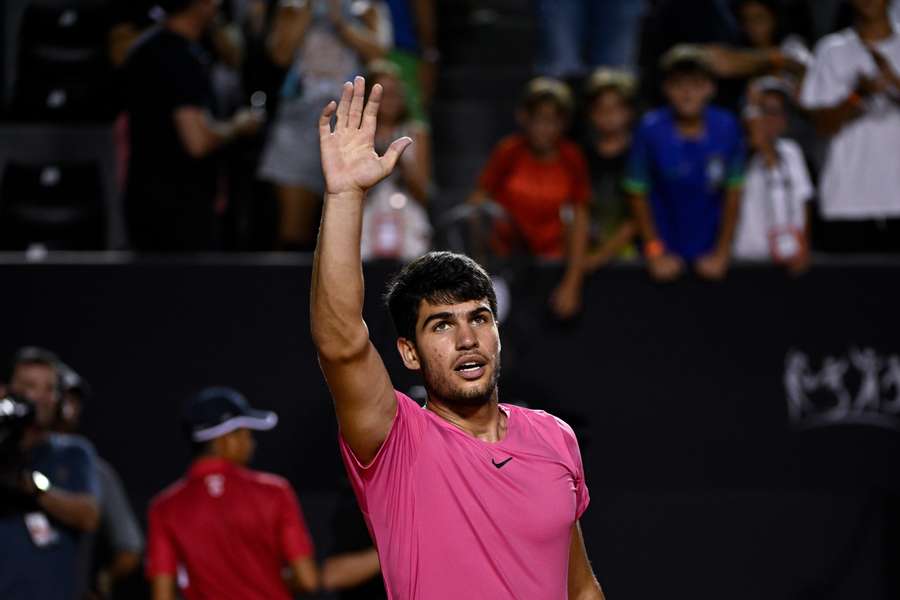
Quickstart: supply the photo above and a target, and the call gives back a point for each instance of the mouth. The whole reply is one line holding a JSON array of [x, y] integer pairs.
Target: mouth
[[471, 368]]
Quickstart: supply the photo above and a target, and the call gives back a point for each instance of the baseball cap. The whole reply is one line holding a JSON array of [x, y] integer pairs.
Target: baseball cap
[[685, 57], [217, 411]]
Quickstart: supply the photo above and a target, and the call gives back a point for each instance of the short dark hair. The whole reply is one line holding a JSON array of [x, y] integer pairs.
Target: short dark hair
[[438, 278], [34, 355], [174, 7]]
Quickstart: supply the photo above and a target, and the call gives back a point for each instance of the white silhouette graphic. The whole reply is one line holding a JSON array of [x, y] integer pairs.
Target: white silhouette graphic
[[868, 364], [890, 380], [798, 379]]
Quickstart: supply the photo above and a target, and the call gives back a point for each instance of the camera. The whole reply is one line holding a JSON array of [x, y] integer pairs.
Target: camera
[[16, 415]]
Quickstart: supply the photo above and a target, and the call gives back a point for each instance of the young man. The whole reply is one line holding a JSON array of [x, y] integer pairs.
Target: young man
[[853, 92], [685, 173], [230, 529], [536, 175], [57, 496], [466, 498]]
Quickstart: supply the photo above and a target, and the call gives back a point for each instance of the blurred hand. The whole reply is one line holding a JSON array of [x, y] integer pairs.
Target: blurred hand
[[885, 68], [800, 263], [713, 266], [867, 86], [566, 299], [349, 160], [246, 122], [666, 267]]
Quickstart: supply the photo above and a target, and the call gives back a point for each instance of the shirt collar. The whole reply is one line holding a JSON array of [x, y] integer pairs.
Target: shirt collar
[[206, 466]]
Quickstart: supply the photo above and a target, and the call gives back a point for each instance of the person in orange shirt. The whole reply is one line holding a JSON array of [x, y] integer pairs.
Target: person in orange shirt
[[541, 179]]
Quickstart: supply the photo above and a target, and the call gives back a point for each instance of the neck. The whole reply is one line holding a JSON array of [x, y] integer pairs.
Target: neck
[[872, 30], [613, 142], [485, 422], [185, 25], [33, 437], [690, 127]]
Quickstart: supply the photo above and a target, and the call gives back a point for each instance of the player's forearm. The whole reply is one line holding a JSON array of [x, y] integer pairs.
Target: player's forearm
[[336, 301], [163, 587], [350, 569], [729, 220], [829, 121], [79, 511]]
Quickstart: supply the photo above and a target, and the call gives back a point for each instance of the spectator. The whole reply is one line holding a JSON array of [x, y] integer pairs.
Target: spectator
[[231, 529], [609, 102], [853, 93], [767, 47], [58, 493], [685, 173], [579, 35], [773, 223], [172, 173], [415, 52], [353, 569], [117, 551], [537, 174], [395, 222], [326, 44]]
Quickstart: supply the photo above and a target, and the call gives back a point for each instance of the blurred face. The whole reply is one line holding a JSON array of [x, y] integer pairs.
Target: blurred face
[[610, 113], [689, 93], [393, 100], [774, 116], [457, 348], [237, 446], [39, 383], [758, 24], [544, 126], [870, 10]]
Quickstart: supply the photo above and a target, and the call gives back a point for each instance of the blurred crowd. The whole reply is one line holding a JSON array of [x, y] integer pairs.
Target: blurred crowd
[[690, 133], [68, 531]]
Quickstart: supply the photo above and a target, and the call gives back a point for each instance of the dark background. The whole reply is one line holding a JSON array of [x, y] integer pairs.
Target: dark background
[[700, 486]]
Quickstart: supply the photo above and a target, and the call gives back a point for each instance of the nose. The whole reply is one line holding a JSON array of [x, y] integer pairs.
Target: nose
[[466, 338]]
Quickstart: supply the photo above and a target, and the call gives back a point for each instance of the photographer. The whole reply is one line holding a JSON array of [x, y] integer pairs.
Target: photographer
[[50, 491]]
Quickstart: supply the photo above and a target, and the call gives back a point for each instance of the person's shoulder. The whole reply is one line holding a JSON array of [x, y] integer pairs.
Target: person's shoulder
[[266, 481], [511, 144], [836, 42], [72, 444], [570, 150], [167, 496], [544, 421]]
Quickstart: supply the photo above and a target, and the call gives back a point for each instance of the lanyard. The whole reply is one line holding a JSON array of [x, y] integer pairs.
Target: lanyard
[[776, 177]]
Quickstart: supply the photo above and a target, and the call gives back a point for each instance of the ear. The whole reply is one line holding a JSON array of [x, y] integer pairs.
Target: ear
[[408, 354]]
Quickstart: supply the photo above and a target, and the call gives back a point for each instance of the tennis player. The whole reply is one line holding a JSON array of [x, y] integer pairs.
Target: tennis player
[[466, 497]]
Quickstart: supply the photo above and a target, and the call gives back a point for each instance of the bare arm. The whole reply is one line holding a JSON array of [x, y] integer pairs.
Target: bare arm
[[200, 135], [306, 575], [163, 587], [566, 299], [417, 166], [363, 40], [288, 30], [363, 394], [620, 238], [583, 584], [829, 121], [350, 569], [662, 265], [80, 511]]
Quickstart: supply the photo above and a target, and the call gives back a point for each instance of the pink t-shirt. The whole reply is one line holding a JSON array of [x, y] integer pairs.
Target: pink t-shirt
[[455, 517]]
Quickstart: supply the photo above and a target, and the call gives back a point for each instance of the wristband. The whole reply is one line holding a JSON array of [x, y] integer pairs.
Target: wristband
[[654, 249]]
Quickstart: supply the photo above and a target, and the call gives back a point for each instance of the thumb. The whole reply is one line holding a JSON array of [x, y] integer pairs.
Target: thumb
[[393, 153]]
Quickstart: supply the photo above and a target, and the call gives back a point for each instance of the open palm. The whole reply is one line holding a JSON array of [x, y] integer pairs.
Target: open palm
[[349, 160]]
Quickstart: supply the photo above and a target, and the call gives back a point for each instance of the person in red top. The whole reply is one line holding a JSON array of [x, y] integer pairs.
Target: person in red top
[[539, 177], [225, 531]]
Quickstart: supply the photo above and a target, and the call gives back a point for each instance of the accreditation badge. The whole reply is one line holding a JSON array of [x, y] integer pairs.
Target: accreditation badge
[[40, 530]]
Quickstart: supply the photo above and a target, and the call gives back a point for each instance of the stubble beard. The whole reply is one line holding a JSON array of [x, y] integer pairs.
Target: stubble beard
[[441, 386]]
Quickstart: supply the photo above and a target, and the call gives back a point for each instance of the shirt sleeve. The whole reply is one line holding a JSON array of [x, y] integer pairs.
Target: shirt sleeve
[[498, 166], [582, 495], [118, 522], [162, 558], [394, 459], [637, 171], [81, 463], [825, 85], [295, 539]]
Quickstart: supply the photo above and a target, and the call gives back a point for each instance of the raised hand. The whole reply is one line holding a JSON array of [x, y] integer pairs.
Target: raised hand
[[349, 160]]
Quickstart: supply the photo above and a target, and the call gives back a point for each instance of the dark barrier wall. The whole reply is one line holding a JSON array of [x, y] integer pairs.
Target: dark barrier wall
[[741, 439]]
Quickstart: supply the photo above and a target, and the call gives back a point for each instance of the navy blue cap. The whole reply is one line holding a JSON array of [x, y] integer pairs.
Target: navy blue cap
[[217, 411]]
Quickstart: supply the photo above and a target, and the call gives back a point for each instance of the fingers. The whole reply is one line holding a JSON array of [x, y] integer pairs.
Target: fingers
[[393, 153], [343, 108], [370, 114], [325, 119], [356, 104]]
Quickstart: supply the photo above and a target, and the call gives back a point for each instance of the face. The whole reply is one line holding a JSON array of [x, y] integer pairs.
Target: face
[[758, 24], [689, 93], [543, 126], [393, 100], [39, 383], [457, 348], [774, 115], [237, 446], [610, 113], [870, 10]]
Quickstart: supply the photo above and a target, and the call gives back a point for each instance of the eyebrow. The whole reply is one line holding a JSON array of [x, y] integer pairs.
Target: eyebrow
[[446, 315]]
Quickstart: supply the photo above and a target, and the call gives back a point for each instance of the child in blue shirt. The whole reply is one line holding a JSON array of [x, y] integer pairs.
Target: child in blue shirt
[[685, 173]]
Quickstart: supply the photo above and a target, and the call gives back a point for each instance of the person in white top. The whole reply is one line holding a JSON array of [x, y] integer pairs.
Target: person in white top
[[853, 94], [773, 223]]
